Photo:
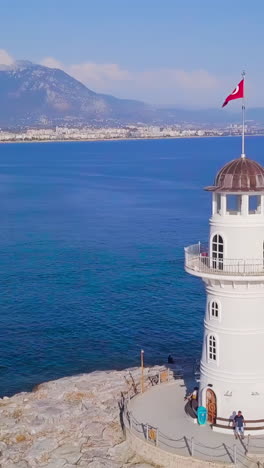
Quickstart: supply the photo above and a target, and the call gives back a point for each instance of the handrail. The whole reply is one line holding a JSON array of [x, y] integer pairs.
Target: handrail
[[246, 428], [198, 260], [246, 420]]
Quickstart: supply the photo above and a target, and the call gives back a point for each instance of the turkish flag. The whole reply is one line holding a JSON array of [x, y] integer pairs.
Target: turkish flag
[[236, 94]]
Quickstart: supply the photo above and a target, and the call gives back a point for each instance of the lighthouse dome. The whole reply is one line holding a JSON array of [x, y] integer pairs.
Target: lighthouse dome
[[239, 175]]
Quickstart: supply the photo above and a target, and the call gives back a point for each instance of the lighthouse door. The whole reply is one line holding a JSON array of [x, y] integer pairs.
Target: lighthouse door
[[211, 406]]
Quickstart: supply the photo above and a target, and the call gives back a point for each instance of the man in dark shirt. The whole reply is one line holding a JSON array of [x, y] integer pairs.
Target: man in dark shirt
[[239, 425]]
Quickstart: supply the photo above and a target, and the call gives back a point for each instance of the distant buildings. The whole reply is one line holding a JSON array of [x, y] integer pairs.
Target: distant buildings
[[125, 132]]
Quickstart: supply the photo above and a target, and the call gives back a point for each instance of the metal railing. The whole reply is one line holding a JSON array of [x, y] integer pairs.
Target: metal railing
[[197, 259], [243, 453]]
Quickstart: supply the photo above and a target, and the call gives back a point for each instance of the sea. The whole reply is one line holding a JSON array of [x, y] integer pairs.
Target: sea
[[92, 238]]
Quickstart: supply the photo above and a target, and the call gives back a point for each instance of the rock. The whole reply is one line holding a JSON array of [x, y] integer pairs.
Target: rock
[[60, 463], [140, 465], [2, 446], [94, 452], [112, 433], [103, 463], [121, 452], [68, 422], [40, 448], [20, 464], [94, 429], [69, 452]]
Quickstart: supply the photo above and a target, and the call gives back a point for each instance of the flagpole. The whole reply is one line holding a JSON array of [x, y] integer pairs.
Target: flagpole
[[243, 155]]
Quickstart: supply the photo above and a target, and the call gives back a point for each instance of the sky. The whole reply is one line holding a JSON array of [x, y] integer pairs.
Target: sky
[[183, 53]]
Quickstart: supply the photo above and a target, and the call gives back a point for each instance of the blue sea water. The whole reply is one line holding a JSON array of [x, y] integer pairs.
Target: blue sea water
[[91, 250]]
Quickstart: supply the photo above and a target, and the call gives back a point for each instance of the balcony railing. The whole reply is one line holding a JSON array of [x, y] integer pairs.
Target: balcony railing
[[198, 260]]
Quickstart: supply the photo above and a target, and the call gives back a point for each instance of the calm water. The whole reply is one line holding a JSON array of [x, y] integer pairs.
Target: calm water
[[91, 248]]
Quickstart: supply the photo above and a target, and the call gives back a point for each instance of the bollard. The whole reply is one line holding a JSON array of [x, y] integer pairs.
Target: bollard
[[142, 370], [147, 431], [235, 454], [129, 419], [192, 447], [157, 437], [248, 442]]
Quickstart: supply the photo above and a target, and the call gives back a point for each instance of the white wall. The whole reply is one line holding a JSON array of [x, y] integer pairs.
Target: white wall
[[240, 349], [243, 238]]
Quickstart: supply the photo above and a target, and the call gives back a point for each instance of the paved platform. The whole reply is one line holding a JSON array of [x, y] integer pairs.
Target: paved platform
[[163, 407]]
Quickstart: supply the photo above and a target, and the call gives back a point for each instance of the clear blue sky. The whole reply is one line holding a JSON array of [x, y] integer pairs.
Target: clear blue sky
[[186, 52]]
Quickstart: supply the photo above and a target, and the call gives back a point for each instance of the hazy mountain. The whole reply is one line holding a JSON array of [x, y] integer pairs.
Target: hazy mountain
[[34, 95]]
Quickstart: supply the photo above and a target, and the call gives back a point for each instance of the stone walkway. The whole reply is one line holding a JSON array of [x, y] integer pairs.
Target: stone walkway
[[163, 407]]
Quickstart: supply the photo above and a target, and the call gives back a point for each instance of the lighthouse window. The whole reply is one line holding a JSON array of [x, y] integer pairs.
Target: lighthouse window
[[217, 252], [254, 204], [233, 204], [214, 310], [212, 348]]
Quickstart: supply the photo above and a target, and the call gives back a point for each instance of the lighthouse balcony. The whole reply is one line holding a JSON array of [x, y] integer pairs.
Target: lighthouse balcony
[[199, 263]]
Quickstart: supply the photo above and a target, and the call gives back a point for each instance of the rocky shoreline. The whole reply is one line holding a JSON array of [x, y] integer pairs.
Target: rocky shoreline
[[73, 421]]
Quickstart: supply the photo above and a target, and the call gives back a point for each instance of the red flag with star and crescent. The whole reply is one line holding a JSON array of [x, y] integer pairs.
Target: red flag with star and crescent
[[236, 94]]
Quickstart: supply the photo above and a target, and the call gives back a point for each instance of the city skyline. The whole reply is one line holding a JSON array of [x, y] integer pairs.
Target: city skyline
[[185, 54]]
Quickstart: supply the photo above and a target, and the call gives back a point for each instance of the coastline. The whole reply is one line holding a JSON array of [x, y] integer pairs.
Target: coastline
[[86, 140]]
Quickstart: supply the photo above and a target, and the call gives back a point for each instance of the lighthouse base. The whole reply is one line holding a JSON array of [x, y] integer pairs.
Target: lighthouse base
[[223, 405], [162, 407]]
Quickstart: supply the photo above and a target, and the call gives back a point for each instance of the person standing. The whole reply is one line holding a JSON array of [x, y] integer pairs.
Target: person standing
[[239, 425], [193, 398]]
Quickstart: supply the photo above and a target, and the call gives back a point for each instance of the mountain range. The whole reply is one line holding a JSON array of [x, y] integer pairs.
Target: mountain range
[[33, 95]]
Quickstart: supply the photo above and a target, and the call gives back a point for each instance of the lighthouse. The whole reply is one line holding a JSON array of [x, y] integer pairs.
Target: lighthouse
[[231, 266]]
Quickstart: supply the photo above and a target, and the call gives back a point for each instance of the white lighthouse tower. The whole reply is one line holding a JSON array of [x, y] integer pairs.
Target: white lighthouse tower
[[232, 268]]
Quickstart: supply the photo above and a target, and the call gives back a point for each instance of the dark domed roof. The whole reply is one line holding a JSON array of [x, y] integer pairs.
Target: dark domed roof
[[239, 175]]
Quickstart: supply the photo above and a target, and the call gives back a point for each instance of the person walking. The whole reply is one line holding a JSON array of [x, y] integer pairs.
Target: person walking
[[193, 398], [239, 425]]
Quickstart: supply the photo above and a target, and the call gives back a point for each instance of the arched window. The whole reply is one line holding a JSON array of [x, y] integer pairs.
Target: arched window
[[212, 352], [214, 310], [217, 252]]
